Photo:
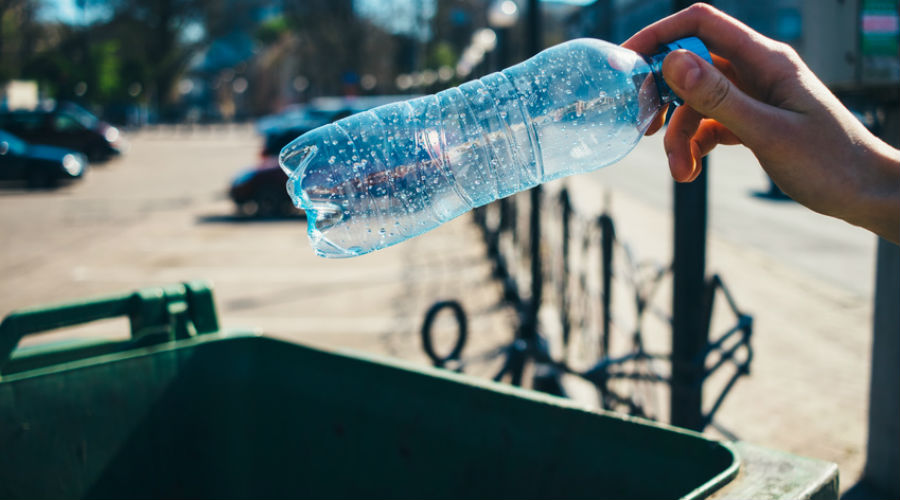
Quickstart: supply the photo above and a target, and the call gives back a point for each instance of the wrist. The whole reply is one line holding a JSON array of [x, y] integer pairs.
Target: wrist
[[879, 207]]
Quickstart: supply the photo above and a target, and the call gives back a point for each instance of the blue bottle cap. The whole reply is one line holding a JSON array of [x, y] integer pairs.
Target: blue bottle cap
[[692, 44]]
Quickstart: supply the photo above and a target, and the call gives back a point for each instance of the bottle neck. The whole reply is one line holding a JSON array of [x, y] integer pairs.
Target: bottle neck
[[666, 94]]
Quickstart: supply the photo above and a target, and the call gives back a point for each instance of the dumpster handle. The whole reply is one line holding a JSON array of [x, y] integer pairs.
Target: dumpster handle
[[175, 311]]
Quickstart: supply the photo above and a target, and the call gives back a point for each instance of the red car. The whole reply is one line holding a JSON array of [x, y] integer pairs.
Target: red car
[[261, 192]]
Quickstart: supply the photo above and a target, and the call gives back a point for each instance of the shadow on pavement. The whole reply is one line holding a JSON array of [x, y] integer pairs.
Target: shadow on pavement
[[777, 196], [245, 219], [17, 188], [864, 491]]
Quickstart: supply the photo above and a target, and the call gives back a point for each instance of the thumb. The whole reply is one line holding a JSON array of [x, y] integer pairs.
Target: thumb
[[705, 89]]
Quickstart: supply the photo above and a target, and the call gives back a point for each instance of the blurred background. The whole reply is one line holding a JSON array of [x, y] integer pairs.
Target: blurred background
[[139, 62], [138, 147]]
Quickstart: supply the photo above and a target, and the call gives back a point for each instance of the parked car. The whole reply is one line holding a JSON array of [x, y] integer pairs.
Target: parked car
[[260, 190], [39, 166], [65, 125]]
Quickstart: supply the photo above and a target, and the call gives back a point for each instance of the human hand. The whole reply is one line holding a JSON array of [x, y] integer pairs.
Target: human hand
[[759, 93]]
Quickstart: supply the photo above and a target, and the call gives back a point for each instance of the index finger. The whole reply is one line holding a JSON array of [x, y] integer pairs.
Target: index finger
[[722, 34]]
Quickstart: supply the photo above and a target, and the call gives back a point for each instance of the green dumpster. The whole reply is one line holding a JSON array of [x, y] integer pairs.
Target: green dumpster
[[184, 410]]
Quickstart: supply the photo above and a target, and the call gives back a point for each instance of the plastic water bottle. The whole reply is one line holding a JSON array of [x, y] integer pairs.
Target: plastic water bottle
[[377, 178]]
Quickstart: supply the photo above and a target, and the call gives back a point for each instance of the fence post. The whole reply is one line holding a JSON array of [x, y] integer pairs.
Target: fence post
[[689, 336], [882, 457], [607, 235], [689, 269], [537, 277], [566, 215]]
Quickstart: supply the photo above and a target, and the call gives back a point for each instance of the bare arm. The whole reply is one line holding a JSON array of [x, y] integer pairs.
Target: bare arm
[[759, 93]]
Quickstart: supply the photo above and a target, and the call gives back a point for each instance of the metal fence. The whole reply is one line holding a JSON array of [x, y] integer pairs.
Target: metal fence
[[583, 303]]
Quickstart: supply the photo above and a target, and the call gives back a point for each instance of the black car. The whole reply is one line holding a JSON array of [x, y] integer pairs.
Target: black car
[[40, 166], [65, 125]]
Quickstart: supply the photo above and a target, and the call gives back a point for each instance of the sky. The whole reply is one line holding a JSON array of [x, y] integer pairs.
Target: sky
[[63, 10], [66, 11]]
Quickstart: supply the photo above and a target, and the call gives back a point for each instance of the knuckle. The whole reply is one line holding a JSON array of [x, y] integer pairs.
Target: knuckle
[[701, 9], [716, 94], [784, 52], [792, 54]]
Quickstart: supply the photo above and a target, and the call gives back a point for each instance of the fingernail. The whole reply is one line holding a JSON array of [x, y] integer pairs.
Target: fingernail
[[684, 69]]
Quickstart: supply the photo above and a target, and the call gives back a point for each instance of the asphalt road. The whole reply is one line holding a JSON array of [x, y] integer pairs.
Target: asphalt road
[[160, 215], [67, 229]]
